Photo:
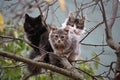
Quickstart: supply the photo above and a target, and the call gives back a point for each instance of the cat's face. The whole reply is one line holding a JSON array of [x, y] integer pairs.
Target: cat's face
[[71, 20], [31, 24], [59, 38], [79, 22]]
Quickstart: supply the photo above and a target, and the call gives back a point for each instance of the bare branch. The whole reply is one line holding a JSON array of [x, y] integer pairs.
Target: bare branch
[[109, 24], [33, 46], [39, 7], [92, 30], [95, 45]]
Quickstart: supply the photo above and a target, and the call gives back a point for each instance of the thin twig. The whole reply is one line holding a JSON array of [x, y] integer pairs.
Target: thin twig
[[8, 37], [95, 45], [92, 30]]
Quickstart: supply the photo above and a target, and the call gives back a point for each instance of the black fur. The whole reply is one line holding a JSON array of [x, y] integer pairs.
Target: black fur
[[37, 34], [34, 29]]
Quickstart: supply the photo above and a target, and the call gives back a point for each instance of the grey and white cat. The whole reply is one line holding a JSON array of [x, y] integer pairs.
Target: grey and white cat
[[61, 43], [76, 29], [65, 40], [37, 34], [75, 24], [58, 39]]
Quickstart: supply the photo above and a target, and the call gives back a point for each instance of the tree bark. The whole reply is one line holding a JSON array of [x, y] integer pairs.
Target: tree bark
[[71, 74], [109, 39]]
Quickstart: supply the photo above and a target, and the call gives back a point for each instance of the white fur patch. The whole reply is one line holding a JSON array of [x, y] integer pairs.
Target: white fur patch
[[65, 22]]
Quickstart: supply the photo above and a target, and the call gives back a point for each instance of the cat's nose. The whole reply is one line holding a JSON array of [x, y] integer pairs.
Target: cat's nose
[[58, 41]]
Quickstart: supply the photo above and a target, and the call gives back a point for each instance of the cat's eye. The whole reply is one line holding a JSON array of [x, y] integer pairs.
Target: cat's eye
[[56, 36], [62, 37]]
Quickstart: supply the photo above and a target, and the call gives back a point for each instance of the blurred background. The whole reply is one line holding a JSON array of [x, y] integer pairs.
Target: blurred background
[[13, 12]]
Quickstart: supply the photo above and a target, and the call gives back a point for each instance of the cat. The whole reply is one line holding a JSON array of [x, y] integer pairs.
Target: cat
[[75, 23], [62, 44], [76, 29], [58, 38], [37, 34], [34, 28], [71, 29]]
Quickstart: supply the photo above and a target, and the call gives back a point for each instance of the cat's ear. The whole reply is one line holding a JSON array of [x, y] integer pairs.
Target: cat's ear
[[52, 27], [67, 28], [26, 16], [83, 19], [82, 22], [41, 17], [71, 16]]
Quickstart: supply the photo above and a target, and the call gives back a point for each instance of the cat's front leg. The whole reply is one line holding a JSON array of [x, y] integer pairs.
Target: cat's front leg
[[73, 57]]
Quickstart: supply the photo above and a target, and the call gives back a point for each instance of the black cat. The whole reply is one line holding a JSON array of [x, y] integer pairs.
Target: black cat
[[37, 34], [34, 29]]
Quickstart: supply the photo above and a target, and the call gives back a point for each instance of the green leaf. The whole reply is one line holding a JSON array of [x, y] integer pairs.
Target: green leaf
[[95, 65], [43, 77], [97, 59], [8, 22], [100, 78], [93, 54]]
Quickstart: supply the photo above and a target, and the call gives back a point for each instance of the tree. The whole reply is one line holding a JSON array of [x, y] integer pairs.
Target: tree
[[14, 48]]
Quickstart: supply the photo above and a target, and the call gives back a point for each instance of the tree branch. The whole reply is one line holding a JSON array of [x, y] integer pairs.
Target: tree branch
[[95, 45], [64, 72], [109, 24], [111, 43], [22, 40], [95, 27]]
